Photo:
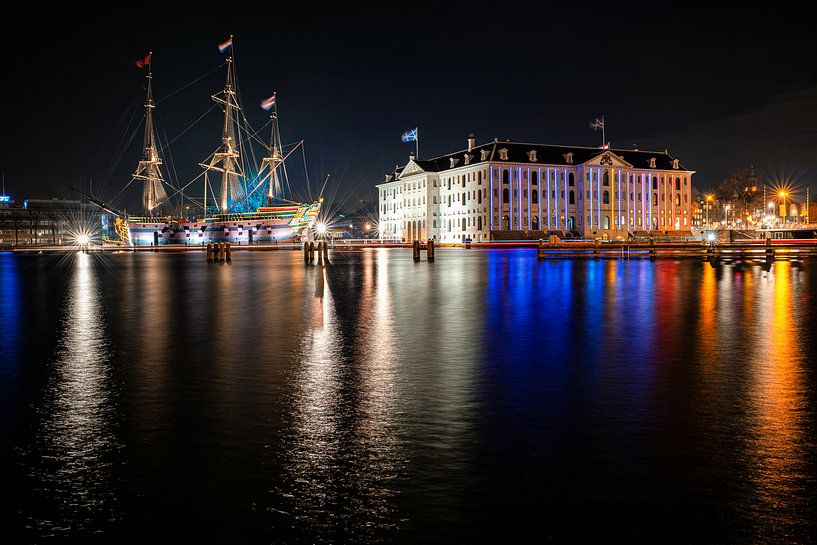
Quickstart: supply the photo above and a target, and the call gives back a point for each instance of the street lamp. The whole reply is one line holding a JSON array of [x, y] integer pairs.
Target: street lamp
[[709, 200], [782, 195]]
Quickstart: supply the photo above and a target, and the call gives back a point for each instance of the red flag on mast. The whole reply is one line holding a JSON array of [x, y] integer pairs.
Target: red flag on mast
[[141, 63]]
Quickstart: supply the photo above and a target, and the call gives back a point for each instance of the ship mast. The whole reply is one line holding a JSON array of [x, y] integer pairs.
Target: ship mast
[[226, 159], [275, 158], [153, 192]]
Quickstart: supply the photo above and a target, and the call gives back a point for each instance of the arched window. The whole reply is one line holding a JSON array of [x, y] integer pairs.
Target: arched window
[[606, 179], [534, 178], [571, 223], [505, 176], [606, 224], [534, 223], [655, 182], [605, 197], [678, 184], [479, 197], [534, 197], [655, 199], [506, 223], [506, 196], [678, 200], [571, 197], [571, 180], [479, 223]]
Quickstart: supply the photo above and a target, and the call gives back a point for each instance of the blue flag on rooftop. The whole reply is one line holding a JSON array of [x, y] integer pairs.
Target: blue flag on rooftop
[[410, 136]]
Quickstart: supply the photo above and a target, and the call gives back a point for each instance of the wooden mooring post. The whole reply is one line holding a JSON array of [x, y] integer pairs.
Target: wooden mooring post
[[430, 250], [769, 251], [415, 249], [326, 253], [219, 252]]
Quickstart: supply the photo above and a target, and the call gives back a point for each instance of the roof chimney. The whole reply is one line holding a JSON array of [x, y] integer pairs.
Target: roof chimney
[[472, 142]]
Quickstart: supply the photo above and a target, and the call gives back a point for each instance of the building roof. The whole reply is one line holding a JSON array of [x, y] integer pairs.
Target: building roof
[[545, 154], [393, 176]]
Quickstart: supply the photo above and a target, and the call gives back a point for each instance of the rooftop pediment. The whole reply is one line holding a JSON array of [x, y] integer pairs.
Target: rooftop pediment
[[607, 158]]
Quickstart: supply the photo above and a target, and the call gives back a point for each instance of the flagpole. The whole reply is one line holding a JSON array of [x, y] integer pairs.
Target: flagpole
[[417, 143], [603, 132]]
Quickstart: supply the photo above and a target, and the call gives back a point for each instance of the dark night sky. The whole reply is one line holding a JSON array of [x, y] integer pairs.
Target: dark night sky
[[721, 88]]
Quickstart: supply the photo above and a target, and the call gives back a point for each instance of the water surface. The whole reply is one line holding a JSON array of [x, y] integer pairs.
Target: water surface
[[479, 398]]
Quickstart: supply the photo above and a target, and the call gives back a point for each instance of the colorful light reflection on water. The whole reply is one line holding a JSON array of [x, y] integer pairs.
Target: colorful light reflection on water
[[480, 397]]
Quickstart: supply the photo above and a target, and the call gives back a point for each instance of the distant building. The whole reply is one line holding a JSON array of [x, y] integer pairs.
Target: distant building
[[506, 190], [46, 222]]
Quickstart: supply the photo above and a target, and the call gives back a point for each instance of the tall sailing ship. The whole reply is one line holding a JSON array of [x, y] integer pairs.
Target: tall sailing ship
[[231, 215]]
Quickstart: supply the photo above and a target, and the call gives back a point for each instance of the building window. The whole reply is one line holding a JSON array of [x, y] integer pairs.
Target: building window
[[606, 179], [534, 178], [606, 224], [677, 200], [572, 197], [605, 198], [506, 196], [571, 180], [503, 154], [505, 176], [655, 182], [678, 184], [534, 197], [654, 199], [479, 197]]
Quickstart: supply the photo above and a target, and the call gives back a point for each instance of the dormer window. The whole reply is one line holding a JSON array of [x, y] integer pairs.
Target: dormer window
[[503, 154], [569, 158], [483, 154], [652, 162], [454, 162], [532, 156], [468, 158], [675, 164]]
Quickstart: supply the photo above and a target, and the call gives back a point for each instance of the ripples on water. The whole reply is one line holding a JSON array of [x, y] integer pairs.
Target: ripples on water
[[379, 400]]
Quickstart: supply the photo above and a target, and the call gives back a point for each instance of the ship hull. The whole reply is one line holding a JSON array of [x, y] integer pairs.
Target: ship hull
[[195, 233], [260, 227]]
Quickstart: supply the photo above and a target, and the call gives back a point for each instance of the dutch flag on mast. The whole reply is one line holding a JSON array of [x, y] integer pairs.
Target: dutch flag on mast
[[268, 103], [223, 47]]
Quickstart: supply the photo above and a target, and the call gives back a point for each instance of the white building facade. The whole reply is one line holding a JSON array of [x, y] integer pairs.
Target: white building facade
[[514, 190]]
